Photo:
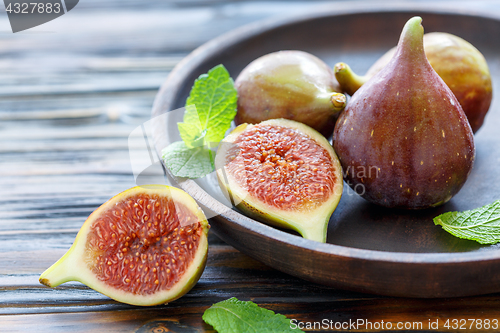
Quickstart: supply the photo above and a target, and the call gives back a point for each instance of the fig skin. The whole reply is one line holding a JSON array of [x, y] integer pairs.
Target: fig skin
[[292, 84], [403, 135], [461, 66], [73, 267], [310, 223]]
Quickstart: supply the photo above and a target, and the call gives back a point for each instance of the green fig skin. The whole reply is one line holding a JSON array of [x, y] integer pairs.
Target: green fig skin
[[293, 85], [403, 140], [461, 66]]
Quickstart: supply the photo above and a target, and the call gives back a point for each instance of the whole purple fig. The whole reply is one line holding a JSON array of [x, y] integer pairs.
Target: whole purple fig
[[403, 139]]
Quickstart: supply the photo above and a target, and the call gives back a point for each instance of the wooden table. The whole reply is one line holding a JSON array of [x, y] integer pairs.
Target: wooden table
[[72, 91]]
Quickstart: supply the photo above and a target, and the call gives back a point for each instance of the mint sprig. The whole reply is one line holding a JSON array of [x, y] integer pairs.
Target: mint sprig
[[188, 162], [481, 224], [210, 109], [233, 315], [215, 99]]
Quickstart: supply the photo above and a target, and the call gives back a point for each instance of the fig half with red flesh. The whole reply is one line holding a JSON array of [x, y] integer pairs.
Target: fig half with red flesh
[[283, 173], [145, 246]]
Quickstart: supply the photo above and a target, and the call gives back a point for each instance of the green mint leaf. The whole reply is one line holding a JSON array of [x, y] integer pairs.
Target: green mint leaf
[[188, 162], [191, 129], [210, 109], [480, 224], [214, 97], [232, 315]]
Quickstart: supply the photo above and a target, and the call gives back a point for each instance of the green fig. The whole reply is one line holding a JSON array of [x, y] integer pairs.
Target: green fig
[[461, 66], [293, 85], [403, 139]]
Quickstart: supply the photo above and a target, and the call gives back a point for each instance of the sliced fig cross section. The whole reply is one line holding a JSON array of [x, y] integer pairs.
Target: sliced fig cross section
[[281, 172], [145, 246]]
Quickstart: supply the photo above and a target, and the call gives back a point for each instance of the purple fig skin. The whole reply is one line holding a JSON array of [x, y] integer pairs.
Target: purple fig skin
[[403, 140], [461, 66], [294, 85]]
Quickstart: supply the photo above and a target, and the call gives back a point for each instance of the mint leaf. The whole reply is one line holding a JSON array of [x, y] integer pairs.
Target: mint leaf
[[232, 315], [481, 224], [191, 130], [215, 99], [210, 109], [188, 162]]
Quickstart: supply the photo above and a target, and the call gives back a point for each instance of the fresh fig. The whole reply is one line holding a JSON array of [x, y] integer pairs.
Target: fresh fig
[[145, 246], [294, 85], [403, 135], [281, 172], [461, 66]]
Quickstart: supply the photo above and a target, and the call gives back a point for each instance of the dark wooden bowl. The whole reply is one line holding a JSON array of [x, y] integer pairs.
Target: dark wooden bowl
[[369, 248]]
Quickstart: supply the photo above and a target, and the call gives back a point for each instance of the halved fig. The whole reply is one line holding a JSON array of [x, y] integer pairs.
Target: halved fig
[[145, 246], [283, 173]]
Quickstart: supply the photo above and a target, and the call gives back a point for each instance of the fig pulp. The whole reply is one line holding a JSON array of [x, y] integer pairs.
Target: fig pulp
[[281, 172], [145, 246], [289, 84], [403, 135], [461, 66]]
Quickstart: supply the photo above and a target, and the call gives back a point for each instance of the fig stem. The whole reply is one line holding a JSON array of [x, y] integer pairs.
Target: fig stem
[[411, 42], [60, 272], [349, 81], [315, 232], [339, 101]]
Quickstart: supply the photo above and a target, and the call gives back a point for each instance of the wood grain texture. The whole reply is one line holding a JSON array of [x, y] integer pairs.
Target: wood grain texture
[[369, 248], [71, 92]]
